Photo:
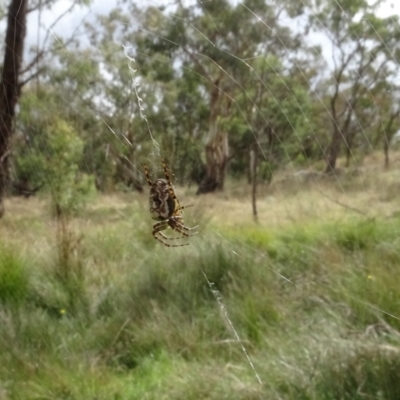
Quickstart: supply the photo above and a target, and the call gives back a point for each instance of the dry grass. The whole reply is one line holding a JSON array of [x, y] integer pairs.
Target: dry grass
[[292, 199], [139, 321]]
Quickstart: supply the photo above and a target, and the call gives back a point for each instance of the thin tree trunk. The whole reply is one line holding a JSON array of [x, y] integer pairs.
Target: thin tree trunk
[[333, 151], [253, 163], [349, 145], [386, 152], [388, 133], [9, 88], [248, 169], [339, 133]]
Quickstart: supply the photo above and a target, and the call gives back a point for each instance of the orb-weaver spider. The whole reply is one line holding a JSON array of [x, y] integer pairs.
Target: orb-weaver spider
[[165, 208]]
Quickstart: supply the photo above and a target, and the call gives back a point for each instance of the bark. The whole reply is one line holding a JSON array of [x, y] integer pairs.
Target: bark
[[349, 146], [253, 162], [388, 133], [339, 135], [333, 151], [217, 149], [334, 147], [248, 169], [386, 152], [9, 88], [216, 161]]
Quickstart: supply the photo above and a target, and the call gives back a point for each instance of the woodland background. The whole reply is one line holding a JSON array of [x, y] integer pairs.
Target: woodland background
[[286, 148], [227, 89]]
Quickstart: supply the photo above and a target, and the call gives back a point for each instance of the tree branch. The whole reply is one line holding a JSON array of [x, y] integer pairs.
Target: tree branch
[[39, 5], [30, 77]]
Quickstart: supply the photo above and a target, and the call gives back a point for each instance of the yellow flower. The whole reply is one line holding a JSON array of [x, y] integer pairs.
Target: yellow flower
[[62, 311]]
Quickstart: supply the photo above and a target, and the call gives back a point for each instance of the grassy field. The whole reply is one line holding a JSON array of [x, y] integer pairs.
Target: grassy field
[[107, 312]]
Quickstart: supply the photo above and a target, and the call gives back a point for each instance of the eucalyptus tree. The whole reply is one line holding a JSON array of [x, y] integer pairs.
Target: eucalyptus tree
[[365, 55], [209, 44], [280, 112], [388, 124]]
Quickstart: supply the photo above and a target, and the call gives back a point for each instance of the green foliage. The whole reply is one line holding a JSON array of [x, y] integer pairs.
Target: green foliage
[[69, 188], [51, 153], [274, 90], [13, 278], [358, 236], [146, 324]]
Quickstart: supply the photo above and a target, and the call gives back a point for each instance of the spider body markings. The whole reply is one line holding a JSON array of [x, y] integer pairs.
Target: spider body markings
[[166, 209]]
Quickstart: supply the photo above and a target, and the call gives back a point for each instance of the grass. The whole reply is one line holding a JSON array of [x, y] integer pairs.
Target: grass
[[312, 291]]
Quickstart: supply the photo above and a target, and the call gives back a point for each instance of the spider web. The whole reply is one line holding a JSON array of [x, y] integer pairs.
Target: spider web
[[214, 291], [328, 57], [328, 54]]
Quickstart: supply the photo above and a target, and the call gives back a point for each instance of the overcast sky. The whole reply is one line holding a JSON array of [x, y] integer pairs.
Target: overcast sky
[[70, 21], [66, 26]]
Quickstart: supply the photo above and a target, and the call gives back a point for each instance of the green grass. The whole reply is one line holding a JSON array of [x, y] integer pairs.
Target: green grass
[[13, 278], [315, 303]]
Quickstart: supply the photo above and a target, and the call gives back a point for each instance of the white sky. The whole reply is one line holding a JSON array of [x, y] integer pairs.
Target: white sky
[[390, 7], [69, 22], [67, 25]]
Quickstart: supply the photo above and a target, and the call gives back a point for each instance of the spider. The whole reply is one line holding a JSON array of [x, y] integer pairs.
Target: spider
[[165, 208]]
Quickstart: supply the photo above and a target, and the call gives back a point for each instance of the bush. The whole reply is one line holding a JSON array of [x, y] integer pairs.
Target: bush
[[52, 156]]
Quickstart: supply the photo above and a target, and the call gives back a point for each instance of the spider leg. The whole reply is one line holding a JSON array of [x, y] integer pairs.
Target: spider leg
[[168, 178], [183, 207], [166, 172], [182, 226], [147, 173], [178, 227], [160, 226], [185, 228], [169, 238], [170, 245]]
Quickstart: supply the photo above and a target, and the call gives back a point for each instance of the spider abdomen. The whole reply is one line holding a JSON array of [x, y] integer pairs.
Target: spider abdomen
[[165, 208], [162, 205]]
